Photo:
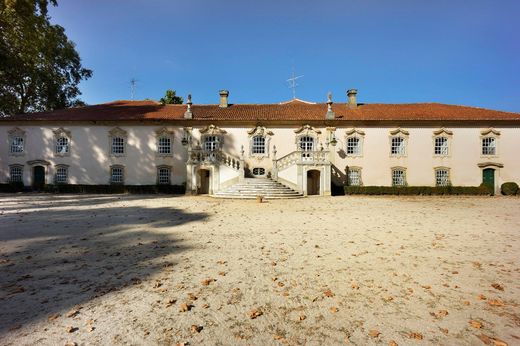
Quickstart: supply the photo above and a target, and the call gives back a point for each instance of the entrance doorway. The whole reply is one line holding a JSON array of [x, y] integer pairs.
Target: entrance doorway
[[488, 178], [38, 177], [313, 182], [204, 176]]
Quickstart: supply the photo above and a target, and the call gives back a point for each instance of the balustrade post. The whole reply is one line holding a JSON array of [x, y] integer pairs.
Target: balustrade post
[[275, 165], [241, 170]]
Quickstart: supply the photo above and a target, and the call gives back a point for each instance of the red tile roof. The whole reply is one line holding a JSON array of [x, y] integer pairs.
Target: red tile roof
[[295, 110]]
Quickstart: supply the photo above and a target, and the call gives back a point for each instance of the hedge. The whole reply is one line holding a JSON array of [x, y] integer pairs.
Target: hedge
[[417, 190], [101, 189], [509, 189]]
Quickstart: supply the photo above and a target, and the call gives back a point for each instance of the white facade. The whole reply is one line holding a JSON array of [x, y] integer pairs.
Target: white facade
[[89, 159]]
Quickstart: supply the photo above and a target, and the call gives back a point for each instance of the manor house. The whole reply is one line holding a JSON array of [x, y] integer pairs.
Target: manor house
[[289, 149]]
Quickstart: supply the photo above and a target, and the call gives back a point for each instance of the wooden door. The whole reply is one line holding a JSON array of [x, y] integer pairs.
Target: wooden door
[[488, 178], [38, 177], [204, 176], [313, 182]]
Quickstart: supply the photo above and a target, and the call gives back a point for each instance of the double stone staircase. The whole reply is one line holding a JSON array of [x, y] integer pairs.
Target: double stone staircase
[[250, 188]]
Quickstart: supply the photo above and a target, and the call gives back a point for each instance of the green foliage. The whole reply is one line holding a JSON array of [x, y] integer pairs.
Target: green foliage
[[40, 68], [416, 190], [171, 98], [509, 188]]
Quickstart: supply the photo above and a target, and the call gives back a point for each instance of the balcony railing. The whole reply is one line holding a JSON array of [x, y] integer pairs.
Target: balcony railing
[[214, 156]]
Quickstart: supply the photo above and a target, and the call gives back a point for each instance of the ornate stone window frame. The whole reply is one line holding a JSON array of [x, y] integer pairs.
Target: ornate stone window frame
[[442, 133], [117, 132], [62, 133], [307, 131], [355, 169], [123, 177], [442, 168], [11, 168], [56, 169], [399, 133], [262, 132], [355, 133], [212, 130], [170, 170], [489, 133], [160, 134], [12, 135], [405, 178]]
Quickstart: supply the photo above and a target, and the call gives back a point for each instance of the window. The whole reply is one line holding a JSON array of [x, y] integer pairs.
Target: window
[[398, 177], [398, 146], [258, 171], [354, 176], [17, 145], [441, 146], [258, 145], [62, 175], [16, 174], [116, 175], [442, 177], [353, 146], [163, 175], [211, 143], [62, 145], [306, 143], [118, 145], [164, 145], [489, 146]]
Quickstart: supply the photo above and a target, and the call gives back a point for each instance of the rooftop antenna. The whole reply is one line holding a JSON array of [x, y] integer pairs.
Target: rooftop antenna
[[133, 84], [293, 84]]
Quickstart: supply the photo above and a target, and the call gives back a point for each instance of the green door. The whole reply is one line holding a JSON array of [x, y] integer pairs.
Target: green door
[[488, 178], [39, 177]]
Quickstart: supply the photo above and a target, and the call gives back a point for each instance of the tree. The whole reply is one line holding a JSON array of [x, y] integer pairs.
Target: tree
[[171, 98], [40, 68]]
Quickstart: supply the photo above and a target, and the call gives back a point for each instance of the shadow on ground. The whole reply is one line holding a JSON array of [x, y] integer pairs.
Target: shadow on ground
[[57, 252]]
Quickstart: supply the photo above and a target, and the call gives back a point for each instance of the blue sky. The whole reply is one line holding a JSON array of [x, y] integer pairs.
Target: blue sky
[[401, 51]]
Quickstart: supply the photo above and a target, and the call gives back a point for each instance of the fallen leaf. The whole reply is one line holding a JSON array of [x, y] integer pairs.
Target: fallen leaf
[[195, 329], [280, 284], [72, 313], [170, 302], [374, 333], [497, 286], [328, 293], [444, 330], [302, 317], [355, 286], [53, 317], [192, 296], [415, 335], [498, 342], [255, 313], [334, 309], [481, 297], [222, 273], [70, 329], [388, 299], [185, 307], [206, 282], [426, 287], [393, 343], [475, 324], [466, 302], [495, 302], [71, 343]]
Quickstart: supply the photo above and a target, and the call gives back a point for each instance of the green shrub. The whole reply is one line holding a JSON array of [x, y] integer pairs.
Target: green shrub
[[509, 189], [416, 190]]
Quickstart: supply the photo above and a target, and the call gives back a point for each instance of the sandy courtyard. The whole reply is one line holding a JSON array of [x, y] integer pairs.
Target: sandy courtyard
[[145, 270]]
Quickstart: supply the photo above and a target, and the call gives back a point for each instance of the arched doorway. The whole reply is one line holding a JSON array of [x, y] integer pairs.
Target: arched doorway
[[38, 177], [488, 178], [204, 176], [313, 182]]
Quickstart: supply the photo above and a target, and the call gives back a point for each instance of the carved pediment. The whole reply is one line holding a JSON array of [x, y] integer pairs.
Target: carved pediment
[[164, 132], [399, 131], [490, 130], [442, 131], [61, 132], [117, 132], [307, 130], [354, 131], [259, 131], [212, 130], [16, 132]]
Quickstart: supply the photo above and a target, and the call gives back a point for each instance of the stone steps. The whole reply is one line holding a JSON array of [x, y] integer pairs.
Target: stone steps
[[250, 188]]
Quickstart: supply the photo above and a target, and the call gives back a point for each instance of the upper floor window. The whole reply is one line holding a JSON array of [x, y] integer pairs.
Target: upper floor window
[[441, 146], [164, 175], [117, 139], [442, 177], [354, 176], [16, 142], [258, 145], [489, 146], [62, 174], [398, 177], [164, 145], [353, 146], [307, 143], [117, 175], [15, 173], [62, 145], [211, 143], [398, 146]]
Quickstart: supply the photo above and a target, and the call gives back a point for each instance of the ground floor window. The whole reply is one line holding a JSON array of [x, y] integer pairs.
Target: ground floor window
[[354, 176], [117, 175], [163, 175], [442, 177], [62, 175], [398, 177], [258, 171], [16, 174]]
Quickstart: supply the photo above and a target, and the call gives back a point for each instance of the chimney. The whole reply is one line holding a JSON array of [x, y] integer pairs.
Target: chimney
[[352, 101], [330, 114], [223, 98], [188, 114]]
